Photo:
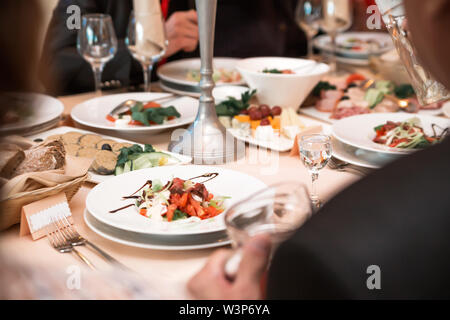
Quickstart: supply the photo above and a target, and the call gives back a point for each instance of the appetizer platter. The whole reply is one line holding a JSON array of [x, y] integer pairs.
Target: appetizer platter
[[335, 98], [259, 124], [193, 196], [392, 133], [25, 114], [111, 156], [138, 113]]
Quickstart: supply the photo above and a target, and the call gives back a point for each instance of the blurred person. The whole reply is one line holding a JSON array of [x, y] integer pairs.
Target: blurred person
[[392, 224], [243, 29]]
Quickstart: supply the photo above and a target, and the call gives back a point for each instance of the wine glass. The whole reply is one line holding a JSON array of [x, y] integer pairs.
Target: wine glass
[[277, 211], [337, 16], [308, 15], [146, 41], [97, 43], [315, 151]]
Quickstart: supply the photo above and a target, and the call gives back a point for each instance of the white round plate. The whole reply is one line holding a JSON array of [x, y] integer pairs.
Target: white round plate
[[92, 113], [38, 111], [323, 42], [146, 241], [358, 131], [360, 157], [176, 72], [108, 195]]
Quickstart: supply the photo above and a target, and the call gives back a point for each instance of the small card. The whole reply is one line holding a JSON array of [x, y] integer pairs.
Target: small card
[[37, 216]]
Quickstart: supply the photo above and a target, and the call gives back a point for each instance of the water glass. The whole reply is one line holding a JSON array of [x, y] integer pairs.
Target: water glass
[[97, 43], [315, 151]]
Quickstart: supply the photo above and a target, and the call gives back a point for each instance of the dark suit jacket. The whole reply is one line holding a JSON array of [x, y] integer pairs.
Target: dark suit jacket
[[243, 29], [397, 218]]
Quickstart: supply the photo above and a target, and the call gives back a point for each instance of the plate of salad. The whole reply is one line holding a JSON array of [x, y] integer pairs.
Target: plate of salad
[[163, 201], [144, 115], [394, 133]]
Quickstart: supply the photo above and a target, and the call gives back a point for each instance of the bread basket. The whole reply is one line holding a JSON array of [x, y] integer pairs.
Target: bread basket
[[11, 208]]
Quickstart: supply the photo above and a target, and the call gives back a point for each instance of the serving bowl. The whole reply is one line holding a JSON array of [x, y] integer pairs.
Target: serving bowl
[[284, 90]]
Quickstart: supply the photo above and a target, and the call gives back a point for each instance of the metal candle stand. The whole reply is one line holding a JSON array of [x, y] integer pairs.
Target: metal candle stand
[[206, 140]]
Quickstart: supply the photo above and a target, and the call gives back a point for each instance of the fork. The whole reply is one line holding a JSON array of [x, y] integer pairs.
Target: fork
[[58, 241], [72, 236], [339, 165]]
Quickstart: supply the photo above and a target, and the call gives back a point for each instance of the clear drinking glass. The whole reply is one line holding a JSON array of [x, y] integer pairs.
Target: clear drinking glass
[[97, 43], [337, 16], [428, 89], [146, 45], [277, 211], [315, 151], [308, 15]]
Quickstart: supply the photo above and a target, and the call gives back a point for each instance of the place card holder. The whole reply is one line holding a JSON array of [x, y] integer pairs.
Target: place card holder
[[36, 216]]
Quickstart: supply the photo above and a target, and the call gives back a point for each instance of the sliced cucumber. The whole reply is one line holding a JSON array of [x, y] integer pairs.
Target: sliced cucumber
[[374, 97], [119, 170], [128, 166]]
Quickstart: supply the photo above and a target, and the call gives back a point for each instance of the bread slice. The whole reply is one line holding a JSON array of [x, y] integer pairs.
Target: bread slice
[[11, 156]]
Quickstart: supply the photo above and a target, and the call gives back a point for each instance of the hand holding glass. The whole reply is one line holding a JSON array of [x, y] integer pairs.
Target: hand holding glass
[[277, 211]]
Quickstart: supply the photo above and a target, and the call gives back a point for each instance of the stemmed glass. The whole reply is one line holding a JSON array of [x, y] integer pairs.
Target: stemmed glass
[[97, 43], [277, 211], [308, 15], [315, 151], [337, 16], [147, 43]]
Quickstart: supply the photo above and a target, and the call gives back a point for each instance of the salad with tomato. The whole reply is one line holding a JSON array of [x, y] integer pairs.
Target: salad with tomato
[[144, 114], [178, 199], [407, 135]]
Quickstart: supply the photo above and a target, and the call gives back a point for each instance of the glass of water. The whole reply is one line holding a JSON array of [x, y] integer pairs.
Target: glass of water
[[97, 43], [315, 151], [277, 211], [146, 41]]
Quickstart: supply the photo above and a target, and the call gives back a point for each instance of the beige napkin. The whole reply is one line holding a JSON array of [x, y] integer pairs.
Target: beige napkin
[[75, 167], [151, 40]]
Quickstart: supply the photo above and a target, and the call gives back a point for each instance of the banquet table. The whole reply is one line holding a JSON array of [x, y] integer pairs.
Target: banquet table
[[166, 271]]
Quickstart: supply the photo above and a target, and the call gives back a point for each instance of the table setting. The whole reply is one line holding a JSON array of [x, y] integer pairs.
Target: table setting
[[216, 151]]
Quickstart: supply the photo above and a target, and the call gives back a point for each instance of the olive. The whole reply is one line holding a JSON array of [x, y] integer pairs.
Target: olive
[[107, 147], [265, 110], [38, 140], [265, 122], [276, 111], [255, 115], [352, 85], [345, 98]]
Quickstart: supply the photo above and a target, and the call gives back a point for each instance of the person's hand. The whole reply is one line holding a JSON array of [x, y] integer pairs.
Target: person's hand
[[182, 32], [211, 282]]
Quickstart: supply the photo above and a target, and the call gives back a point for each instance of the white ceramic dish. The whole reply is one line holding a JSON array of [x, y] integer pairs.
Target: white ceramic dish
[[176, 72], [323, 42], [92, 113], [446, 109], [360, 157], [325, 116], [285, 90], [108, 195], [358, 131], [94, 177], [145, 241], [41, 112]]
